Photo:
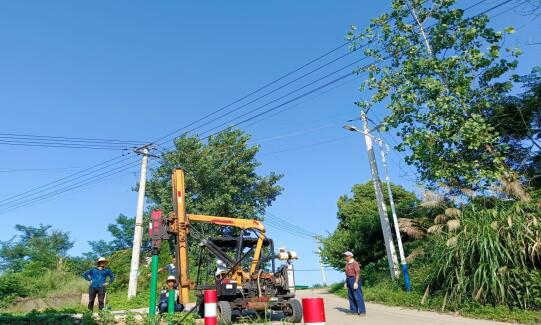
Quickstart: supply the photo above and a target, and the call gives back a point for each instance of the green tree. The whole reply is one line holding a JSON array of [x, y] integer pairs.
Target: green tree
[[122, 232], [221, 176], [40, 247], [518, 119], [359, 229], [440, 74]]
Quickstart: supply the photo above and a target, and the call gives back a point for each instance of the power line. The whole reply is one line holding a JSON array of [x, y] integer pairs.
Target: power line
[[66, 139], [291, 225], [61, 145], [19, 170], [254, 92], [88, 171], [311, 145], [289, 101]]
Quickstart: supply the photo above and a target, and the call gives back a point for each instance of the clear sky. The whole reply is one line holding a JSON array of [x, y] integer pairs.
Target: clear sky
[[137, 70]]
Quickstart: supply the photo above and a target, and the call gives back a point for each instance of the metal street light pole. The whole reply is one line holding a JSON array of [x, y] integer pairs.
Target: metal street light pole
[[382, 210], [403, 261], [318, 243]]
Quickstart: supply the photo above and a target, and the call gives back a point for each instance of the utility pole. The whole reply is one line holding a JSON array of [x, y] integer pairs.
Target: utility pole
[[382, 210], [383, 147], [318, 246], [138, 233]]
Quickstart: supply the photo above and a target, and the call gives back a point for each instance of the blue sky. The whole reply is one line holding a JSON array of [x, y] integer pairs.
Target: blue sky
[[137, 70]]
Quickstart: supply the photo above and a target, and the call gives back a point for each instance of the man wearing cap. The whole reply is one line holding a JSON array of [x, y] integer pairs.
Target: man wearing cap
[[164, 296], [98, 282], [355, 293]]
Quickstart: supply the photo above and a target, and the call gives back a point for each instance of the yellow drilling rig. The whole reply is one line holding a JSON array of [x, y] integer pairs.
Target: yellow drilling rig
[[241, 268]]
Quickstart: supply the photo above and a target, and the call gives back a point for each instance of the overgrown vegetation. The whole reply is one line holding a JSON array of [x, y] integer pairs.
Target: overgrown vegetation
[[471, 128]]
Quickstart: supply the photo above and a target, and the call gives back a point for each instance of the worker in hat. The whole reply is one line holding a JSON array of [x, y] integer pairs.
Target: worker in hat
[[164, 296], [98, 282], [353, 284]]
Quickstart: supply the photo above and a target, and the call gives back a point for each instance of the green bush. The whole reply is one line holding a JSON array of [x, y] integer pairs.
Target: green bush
[[11, 287], [48, 316]]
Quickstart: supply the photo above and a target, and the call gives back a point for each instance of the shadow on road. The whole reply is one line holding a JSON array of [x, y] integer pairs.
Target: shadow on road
[[343, 310]]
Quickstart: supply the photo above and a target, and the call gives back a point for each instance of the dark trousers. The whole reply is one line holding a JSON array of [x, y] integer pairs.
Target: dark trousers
[[356, 299], [92, 292], [163, 307]]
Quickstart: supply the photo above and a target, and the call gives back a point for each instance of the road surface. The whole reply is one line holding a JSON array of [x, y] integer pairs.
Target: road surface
[[336, 308]]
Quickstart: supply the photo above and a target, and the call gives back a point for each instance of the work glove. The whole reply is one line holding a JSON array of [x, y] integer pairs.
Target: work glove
[[355, 286]]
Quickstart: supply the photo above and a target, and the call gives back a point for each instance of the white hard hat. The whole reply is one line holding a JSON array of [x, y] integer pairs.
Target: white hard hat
[[171, 278], [102, 259], [348, 253]]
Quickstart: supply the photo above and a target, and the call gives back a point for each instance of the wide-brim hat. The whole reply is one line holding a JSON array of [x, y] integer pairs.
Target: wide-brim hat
[[102, 260], [171, 278]]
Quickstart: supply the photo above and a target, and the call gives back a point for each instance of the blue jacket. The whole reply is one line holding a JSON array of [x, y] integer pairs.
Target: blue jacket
[[98, 277]]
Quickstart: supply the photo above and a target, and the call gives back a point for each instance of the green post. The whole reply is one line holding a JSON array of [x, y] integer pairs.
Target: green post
[[171, 305], [153, 289]]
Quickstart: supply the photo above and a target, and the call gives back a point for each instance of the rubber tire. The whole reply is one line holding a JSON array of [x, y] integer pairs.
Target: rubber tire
[[224, 313], [296, 309]]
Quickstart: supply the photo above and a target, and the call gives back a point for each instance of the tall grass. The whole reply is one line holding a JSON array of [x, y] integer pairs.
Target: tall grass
[[491, 256]]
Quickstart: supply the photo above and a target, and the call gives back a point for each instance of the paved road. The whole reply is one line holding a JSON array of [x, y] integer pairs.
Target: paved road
[[336, 307]]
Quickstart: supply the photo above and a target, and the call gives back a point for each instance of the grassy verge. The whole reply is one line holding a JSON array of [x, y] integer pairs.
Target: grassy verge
[[391, 294]]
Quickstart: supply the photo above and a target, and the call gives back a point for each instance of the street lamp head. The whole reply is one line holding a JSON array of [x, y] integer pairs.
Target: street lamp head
[[351, 128]]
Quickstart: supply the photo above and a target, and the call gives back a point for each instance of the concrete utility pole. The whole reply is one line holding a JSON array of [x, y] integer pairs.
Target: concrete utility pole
[[138, 233], [318, 245], [383, 146], [382, 210]]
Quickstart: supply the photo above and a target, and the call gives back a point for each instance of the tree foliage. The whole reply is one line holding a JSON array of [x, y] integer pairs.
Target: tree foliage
[[40, 247], [439, 73], [122, 232], [221, 177], [518, 119], [359, 228]]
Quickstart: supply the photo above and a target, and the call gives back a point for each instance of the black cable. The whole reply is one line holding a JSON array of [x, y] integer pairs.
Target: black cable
[[62, 181], [67, 139], [291, 225], [318, 88], [59, 145], [35, 201], [255, 91]]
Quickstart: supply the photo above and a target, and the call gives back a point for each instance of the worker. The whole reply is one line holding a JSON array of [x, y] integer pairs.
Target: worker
[[98, 282], [220, 267], [353, 285], [164, 296], [171, 268]]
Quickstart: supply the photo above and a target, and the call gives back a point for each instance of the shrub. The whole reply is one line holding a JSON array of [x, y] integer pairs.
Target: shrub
[[10, 288], [494, 257]]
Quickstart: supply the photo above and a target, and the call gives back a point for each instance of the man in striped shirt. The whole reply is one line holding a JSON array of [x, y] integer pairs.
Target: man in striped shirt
[[353, 284]]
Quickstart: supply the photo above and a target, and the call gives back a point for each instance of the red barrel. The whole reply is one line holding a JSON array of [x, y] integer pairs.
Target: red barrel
[[210, 307], [313, 310]]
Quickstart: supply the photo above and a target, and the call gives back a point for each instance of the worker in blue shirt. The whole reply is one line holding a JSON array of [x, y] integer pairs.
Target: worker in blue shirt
[[98, 282]]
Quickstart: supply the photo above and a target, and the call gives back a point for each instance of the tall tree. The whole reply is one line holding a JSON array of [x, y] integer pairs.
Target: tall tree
[[517, 119], [359, 229], [40, 246], [439, 73], [122, 232], [221, 176]]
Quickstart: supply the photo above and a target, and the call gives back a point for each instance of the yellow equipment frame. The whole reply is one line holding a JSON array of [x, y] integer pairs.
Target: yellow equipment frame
[[180, 226]]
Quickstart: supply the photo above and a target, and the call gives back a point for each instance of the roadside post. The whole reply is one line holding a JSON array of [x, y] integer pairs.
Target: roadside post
[[171, 305]]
